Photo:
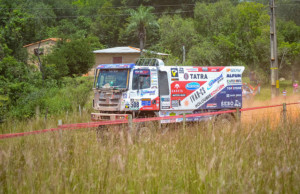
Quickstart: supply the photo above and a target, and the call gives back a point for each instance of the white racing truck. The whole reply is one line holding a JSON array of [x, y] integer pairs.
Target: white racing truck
[[149, 88]]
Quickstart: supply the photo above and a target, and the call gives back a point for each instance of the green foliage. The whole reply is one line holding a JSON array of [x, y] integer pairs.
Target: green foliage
[[140, 21], [107, 27], [70, 58], [52, 98], [175, 32]]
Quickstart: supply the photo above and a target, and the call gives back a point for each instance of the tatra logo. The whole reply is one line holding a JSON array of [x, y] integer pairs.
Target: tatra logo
[[198, 76]]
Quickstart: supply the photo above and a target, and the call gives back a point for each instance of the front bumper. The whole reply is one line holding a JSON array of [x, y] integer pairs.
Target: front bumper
[[108, 116]]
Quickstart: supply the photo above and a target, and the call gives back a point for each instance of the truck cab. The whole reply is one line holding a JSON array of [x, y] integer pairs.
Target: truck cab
[[122, 89]]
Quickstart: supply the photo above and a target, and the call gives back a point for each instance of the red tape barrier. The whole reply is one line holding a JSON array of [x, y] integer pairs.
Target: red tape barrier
[[96, 124]]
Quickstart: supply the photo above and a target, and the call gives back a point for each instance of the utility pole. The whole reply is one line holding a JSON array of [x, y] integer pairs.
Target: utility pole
[[183, 54], [274, 58]]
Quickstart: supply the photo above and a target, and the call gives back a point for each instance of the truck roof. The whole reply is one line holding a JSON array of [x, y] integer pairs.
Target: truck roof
[[116, 66]]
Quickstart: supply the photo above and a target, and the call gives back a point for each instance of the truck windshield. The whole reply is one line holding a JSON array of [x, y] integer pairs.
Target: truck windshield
[[112, 78]]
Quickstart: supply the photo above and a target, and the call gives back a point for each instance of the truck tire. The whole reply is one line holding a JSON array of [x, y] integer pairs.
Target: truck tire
[[102, 134], [225, 122], [144, 134]]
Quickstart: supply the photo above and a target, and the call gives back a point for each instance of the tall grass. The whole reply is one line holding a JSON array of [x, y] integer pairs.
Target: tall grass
[[250, 158]]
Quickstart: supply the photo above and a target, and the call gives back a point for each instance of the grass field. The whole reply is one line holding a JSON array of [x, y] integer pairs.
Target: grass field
[[261, 155], [255, 157]]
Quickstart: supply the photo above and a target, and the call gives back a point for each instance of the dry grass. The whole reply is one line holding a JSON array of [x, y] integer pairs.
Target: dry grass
[[254, 157]]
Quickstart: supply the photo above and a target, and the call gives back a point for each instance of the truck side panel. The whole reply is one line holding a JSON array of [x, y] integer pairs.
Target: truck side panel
[[194, 88]]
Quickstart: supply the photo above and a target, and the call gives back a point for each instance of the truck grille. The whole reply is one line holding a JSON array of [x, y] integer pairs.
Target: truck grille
[[109, 99]]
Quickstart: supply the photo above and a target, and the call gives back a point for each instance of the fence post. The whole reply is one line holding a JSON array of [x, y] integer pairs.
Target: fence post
[[284, 113], [79, 110], [183, 121], [130, 122], [129, 129], [37, 112], [59, 122], [238, 115]]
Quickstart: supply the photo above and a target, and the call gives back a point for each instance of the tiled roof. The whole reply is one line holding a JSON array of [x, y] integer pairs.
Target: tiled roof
[[124, 49], [49, 39]]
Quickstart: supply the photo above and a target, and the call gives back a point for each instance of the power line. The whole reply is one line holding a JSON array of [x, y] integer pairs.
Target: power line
[[111, 7], [104, 15]]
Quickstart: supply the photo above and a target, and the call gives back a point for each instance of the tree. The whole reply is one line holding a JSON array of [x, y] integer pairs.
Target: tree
[[175, 32], [74, 57], [141, 20], [106, 27]]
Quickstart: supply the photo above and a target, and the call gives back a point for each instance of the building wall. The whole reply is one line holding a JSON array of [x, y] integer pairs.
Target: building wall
[[32, 59], [107, 58]]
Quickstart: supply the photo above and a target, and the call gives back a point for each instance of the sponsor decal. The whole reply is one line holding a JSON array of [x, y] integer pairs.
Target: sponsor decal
[[198, 76], [217, 90], [175, 79], [154, 87], [174, 72], [234, 82], [181, 70], [233, 95], [212, 82], [211, 105], [177, 89], [197, 94], [231, 103], [165, 107], [186, 103], [147, 108], [234, 88], [165, 99], [134, 104], [124, 95], [117, 66], [178, 95], [234, 75], [141, 71], [186, 76], [192, 86], [206, 98], [215, 70], [154, 82], [192, 69], [150, 92], [234, 70], [204, 69], [146, 102], [175, 103]]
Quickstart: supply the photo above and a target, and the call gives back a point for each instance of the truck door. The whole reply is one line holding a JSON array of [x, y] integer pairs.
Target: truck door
[[164, 90]]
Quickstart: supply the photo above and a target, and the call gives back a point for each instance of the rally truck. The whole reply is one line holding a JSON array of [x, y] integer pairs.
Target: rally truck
[[148, 88]]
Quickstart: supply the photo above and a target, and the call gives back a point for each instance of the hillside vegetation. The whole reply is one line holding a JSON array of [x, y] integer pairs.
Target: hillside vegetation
[[213, 32]]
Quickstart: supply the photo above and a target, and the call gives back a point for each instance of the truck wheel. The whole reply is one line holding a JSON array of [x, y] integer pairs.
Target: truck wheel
[[144, 134], [225, 122], [102, 134]]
